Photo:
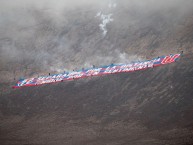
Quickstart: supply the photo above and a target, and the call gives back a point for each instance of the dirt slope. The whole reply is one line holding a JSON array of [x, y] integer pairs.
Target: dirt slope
[[147, 107]]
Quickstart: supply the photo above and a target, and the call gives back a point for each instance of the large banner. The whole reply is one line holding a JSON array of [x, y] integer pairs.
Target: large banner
[[110, 69]]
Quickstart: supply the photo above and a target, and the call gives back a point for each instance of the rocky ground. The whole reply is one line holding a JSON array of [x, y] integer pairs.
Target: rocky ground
[[149, 107], [146, 107]]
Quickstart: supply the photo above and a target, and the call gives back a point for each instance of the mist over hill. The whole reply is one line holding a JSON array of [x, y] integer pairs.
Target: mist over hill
[[38, 37], [151, 107]]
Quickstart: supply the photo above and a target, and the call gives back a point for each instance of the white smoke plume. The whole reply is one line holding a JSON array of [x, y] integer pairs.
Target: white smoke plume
[[112, 4], [106, 19]]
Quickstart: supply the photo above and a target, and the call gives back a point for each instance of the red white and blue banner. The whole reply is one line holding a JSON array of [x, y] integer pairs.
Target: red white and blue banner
[[110, 69]]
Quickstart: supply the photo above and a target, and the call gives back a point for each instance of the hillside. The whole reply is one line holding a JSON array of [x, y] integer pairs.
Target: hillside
[[151, 106]]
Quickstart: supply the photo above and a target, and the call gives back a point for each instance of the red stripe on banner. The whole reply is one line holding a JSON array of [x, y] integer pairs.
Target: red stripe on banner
[[111, 69]]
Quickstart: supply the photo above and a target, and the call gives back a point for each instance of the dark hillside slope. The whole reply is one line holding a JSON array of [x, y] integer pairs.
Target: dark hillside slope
[[150, 107], [145, 107]]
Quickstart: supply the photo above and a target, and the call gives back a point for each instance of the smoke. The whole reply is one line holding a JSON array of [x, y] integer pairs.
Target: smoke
[[39, 36], [106, 18], [112, 4]]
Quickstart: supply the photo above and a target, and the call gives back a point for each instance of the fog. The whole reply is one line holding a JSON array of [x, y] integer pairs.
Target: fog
[[41, 36]]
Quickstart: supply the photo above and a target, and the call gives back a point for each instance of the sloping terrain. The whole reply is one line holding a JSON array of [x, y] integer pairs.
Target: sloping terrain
[[147, 107]]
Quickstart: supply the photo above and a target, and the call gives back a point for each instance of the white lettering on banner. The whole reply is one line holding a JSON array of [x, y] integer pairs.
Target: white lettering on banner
[[57, 76], [50, 81], [27, 81], [45, 78], [156, 60], [78, 75], [39, 81], [54, 76], [93, 72], [150, 64], [123, 68], [75, 75], [64, 75], [115, 69], [128, 68], [109, 69], [41, 78], [59, 79], [47, 81], [136, 65], [22, 83], [60, 76], [139, 66]]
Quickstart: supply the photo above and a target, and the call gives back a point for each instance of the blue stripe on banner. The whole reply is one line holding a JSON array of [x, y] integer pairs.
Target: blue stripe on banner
[[108, 69]]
